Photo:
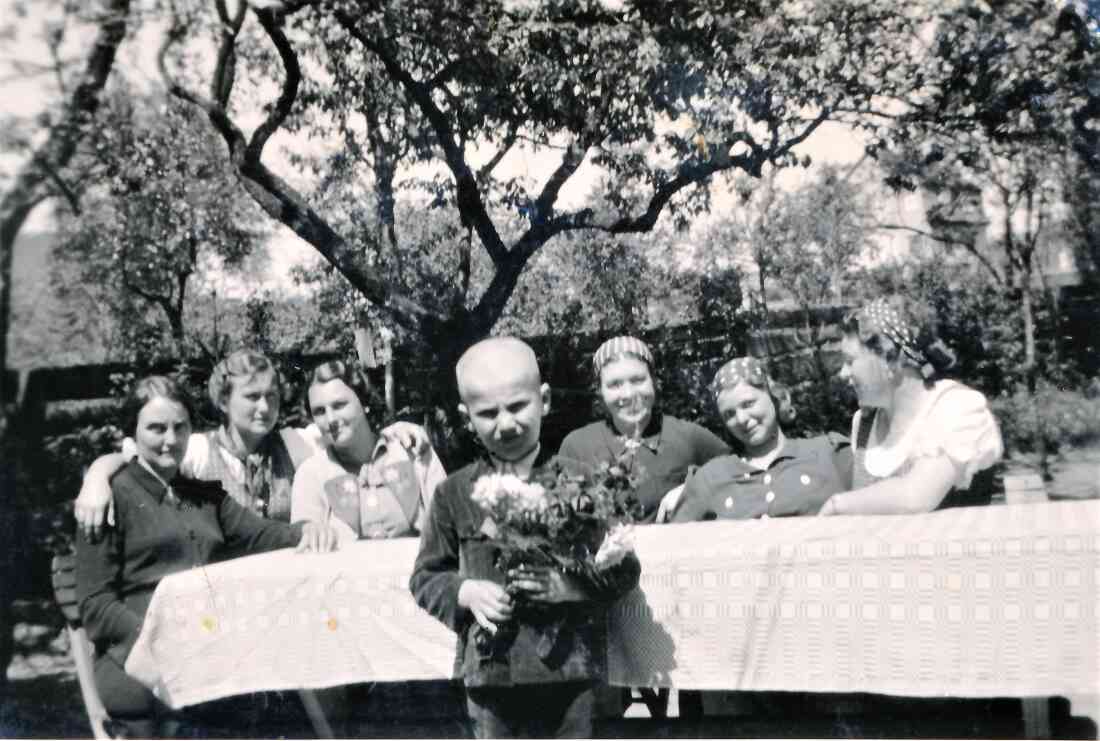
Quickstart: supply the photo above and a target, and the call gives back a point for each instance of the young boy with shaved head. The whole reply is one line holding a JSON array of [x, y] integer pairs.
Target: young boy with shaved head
[[541, 683]]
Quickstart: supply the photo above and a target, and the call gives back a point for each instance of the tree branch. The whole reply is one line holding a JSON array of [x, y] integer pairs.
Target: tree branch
[[944, 239], [277, 197], [486, 170], [57, 150], [215, 111], [797, 139], [470, 203], [55, 177], [292, 78], [570, 161], [221, 86], [151, 297]]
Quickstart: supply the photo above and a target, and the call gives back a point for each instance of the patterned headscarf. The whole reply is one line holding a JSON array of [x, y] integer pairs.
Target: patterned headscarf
[[617, 347], [747, 369], [882, 318]]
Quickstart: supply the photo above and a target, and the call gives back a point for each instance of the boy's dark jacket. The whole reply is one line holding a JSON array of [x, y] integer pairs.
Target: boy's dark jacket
[[453, 548]]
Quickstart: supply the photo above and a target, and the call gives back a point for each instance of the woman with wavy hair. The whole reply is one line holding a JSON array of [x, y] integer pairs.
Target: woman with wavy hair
[[247, 453], [386, 489]]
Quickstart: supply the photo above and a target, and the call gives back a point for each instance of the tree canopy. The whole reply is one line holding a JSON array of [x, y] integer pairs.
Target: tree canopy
[[658, 96]]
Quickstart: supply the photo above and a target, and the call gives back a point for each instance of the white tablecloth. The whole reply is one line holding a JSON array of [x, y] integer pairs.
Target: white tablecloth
[[991, 601]]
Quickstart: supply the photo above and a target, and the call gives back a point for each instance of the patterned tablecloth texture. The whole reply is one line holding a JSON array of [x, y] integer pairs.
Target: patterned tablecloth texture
[[986, 601]]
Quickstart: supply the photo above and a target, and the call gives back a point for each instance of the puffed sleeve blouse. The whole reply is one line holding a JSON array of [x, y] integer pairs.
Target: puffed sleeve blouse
[[955, 421], [806, 472]]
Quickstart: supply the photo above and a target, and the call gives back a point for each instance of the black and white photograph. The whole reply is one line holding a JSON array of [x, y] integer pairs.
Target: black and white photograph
[[550, 369]]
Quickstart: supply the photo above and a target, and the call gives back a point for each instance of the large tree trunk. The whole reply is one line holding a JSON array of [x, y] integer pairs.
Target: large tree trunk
[[28, 190]]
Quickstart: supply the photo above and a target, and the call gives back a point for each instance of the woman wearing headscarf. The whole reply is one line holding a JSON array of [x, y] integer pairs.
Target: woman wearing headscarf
[[665, 448], [921, 442], [769, 474]]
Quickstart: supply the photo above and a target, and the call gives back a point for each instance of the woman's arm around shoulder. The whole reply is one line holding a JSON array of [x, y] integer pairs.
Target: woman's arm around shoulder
[[94, 505]]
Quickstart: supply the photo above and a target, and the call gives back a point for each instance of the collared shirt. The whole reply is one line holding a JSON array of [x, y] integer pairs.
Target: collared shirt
[[668, 451], [806, 472], [167, 488], [392, 501], [522, 467]]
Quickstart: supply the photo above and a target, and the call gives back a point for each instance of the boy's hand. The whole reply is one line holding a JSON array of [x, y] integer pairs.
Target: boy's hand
[[544, 584], [488, 601]]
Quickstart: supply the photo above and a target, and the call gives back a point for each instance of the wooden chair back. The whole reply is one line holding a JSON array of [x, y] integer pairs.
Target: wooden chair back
[[63, 576]]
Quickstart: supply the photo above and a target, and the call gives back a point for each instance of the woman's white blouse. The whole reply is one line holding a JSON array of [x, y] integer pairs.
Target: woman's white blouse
[[955, 421]]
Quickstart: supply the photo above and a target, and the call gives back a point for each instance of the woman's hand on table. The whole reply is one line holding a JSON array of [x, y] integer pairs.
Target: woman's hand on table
[[545, 584], [394, 527], [669, 503], [317, 537], [488, 601]]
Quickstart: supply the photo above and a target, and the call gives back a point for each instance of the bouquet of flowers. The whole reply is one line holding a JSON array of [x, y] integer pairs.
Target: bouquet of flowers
[[578, 524]]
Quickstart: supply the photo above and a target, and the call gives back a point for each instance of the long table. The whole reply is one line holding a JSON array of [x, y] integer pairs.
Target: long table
[[975, 602]]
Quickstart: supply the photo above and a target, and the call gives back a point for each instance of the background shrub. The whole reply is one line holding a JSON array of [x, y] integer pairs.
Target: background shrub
[[1061, 418]]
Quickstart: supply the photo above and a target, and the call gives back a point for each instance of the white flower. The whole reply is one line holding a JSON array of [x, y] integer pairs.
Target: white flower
[[616, 544], [532, 497], [491, 490]]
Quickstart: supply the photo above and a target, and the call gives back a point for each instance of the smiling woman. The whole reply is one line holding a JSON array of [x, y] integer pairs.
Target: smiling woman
[[666, 448], [362, 483], [248, 454], [252, 460], [161, 431], [770, 475]]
